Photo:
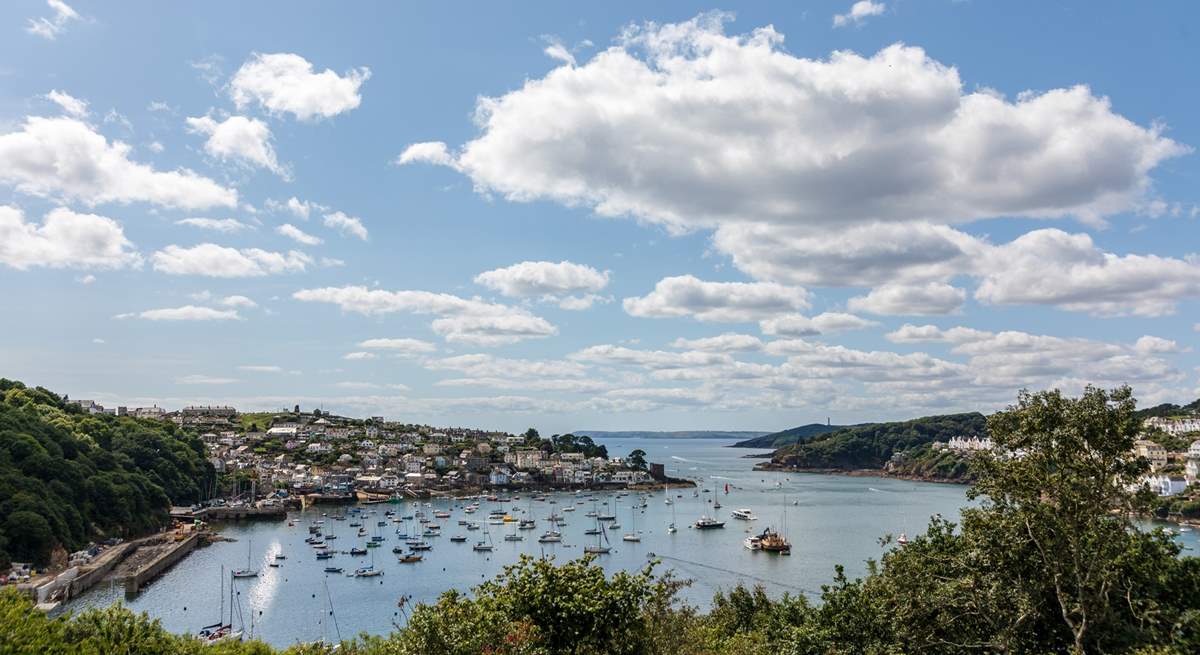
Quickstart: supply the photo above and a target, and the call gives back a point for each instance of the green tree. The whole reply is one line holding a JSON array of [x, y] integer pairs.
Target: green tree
[[637, 459]]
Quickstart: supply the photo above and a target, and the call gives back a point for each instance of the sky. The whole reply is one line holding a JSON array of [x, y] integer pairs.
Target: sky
[[603, 215]]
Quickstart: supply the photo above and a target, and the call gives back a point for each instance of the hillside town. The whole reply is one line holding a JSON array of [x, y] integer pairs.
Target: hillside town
[[329, 458], [1171, 446]]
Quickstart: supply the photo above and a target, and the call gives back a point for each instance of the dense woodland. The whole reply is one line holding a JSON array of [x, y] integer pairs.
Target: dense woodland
[[789, 436], [1047, 562], [870, 446], [68, 477]]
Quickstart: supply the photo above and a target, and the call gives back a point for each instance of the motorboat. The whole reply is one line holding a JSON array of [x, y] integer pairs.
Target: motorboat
[[743, 514], [708, 523]]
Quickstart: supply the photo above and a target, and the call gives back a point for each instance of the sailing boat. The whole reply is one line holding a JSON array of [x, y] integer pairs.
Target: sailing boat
[[368, 571], [484, 545], [671, 526], [601, 547], [716, 500], [632, 535], [221, 631], [246, 572]]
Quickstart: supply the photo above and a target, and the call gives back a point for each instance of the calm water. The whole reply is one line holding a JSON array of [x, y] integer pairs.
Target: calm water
[[830, 520]]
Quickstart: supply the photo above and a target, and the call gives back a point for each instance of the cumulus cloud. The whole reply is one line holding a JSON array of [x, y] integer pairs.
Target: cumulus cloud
[[301, 209], [212, 260], [346, 224], [910, 299], [1151, 345], [733, 129], [404, 347], [1056, 268], [359, 355], [839, 172], [859, 12], [296, 234], [50, 28], [461, 320], [238, 139], [548, 281], [487, 366], [430, 152], [65, 157], [859, 255], [70, 104], [286, 82], [204, 379], [65, 239], [226, 225], [723, 343], [185, 313], [798, 325], [732, 302], [238, 301]]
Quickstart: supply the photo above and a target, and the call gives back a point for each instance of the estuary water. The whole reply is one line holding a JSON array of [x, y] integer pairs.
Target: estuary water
[[829, 520]]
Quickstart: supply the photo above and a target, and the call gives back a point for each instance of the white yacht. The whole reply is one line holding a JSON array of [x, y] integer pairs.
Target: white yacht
[[744, 514]]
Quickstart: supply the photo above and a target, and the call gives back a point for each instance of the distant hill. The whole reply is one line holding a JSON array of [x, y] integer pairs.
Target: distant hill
[[870, 446], [1168, 409], [682, 434], [789, 436]]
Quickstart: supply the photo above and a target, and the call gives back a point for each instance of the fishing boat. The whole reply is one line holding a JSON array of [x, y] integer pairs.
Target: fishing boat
[[743, 514], [774, 542], [410, 558]]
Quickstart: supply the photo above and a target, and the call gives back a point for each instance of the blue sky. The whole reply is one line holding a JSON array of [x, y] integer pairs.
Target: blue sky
[[604, 217]]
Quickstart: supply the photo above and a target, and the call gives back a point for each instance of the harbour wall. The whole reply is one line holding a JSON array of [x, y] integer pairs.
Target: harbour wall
[[163, 562]]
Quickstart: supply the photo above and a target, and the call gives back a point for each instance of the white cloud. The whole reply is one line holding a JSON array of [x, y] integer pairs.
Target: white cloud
[[238, 301], [686, 295], [1067, 270], [226, 225], [285, 82], [212, 260], [910, 299], [98, 341], [548, 280], [859, 12], [254, 368], [1151, 345], [70, 104], [486, 366], [50, 28], [858, 255], [185, 313], [238, 139], [733, 129], [462, 320], [296, 234], [301, 209], [723, 343], [204, 379], [401, 347], [346, 224], [156, 146], [358, 356], [64, 157], [580, 303], [65, 239], [86, 279], [909, 333], [431, 152], [798, 325], [649, 359]]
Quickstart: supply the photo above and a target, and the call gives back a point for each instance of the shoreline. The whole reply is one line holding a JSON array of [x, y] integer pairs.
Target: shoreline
[[858, 473]]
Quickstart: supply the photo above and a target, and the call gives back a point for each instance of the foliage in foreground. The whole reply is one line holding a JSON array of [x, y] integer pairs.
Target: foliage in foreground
[[1047, 563]]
